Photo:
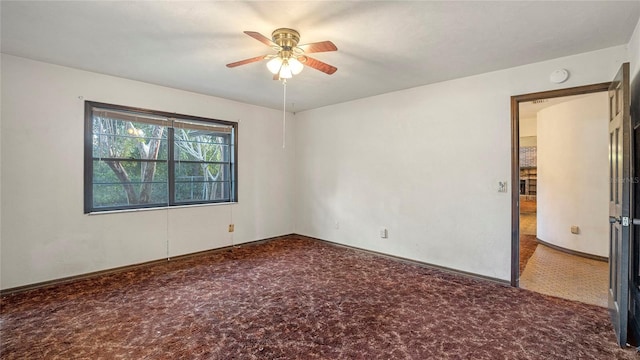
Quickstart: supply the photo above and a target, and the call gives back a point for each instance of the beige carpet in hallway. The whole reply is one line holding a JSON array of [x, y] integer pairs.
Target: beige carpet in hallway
[[571, 277]]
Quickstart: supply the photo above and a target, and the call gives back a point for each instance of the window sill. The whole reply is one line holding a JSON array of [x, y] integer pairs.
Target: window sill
[[158, 208]]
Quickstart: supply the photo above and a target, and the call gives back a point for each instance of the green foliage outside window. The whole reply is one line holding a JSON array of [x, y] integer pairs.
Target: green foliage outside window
[[132, 164]]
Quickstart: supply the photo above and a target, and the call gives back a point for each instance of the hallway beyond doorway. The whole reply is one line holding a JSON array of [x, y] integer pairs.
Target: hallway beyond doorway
[[572, 277], [528, 241], [556, 273]]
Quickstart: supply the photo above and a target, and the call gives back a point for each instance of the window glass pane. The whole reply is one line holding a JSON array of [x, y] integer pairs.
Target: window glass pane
[[197, 145], [119, 183], [198, 190], [202, 164], [194, 151], [129, 164], [202, 172], [113, 138], [199, 182]]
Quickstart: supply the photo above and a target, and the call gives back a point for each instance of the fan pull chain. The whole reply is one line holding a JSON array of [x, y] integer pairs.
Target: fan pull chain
[[284, 113]]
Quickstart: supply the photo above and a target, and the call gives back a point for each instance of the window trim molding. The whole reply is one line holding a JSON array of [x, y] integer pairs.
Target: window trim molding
[[88, 158]]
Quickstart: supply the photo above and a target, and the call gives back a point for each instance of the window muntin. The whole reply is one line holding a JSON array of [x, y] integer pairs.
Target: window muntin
[[139, 158]]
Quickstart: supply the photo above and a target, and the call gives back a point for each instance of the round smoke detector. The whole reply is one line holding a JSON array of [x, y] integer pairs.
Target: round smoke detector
[[559, 76]]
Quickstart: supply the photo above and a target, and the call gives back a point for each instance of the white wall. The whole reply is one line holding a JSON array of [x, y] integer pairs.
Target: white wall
[[425, 163], [528, 131], [573, 177], [1, 171], [634, 52], [45, 234], [528, 126], [528, 141]]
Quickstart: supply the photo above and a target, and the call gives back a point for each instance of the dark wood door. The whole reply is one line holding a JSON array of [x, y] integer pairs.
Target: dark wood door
[[634, 313], [619, 202]]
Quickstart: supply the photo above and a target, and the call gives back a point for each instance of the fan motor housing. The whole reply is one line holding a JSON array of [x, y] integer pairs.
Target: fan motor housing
[[286, 38]]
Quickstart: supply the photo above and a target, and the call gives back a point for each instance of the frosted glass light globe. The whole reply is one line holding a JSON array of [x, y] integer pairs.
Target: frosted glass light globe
[[296, 66], [285, 71], [274, 65]]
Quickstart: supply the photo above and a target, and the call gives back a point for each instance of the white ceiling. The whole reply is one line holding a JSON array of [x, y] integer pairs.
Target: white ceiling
[[382, 46]]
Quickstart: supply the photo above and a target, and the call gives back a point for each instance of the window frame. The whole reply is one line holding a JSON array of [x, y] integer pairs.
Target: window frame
[[171, 161]]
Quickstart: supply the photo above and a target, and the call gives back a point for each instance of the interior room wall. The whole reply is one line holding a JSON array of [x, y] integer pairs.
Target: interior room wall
[[573, 177], [406, 143], [425, 164], [528, 141], [528, 126], [528, 131], [634, 52], [0, 170], [45, 234]]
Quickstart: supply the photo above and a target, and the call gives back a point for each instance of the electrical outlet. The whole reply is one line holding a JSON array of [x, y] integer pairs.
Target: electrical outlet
[[337, 224], [384, 233], [575, 229], [231, 227]]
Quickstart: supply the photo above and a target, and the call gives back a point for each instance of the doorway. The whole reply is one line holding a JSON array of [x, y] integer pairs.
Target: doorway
[[563, 197], [525, 193]]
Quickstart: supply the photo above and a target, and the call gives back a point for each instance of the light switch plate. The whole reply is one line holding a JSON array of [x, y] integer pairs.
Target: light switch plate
[[502, 186]]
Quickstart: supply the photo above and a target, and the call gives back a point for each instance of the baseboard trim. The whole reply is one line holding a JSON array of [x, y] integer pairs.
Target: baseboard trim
[[70, 279], [573, 252], [413, 262]]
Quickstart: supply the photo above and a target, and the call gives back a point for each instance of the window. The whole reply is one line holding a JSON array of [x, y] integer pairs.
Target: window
[[137, 158]]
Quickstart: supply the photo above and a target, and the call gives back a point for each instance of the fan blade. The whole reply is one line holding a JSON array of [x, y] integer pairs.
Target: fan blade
[[276, 77], [321, 46], [247, 61], [317, 64], [263, 39]]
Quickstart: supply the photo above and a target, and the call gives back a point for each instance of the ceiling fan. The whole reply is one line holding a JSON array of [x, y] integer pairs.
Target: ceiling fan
[[290, 58]]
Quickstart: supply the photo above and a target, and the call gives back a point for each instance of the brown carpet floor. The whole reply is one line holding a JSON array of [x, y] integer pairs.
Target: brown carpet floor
[[297, 298]]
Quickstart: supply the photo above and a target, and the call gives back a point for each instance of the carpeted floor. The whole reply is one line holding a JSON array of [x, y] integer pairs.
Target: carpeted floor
[[297, 298]]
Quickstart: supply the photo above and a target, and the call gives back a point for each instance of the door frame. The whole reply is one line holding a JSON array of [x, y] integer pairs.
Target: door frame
[[515, 161], [634, 262]]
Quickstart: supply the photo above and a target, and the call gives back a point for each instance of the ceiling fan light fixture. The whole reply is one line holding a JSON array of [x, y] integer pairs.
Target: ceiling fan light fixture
[[274, 65], [295, 66], [285, 71], [289, 58]]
